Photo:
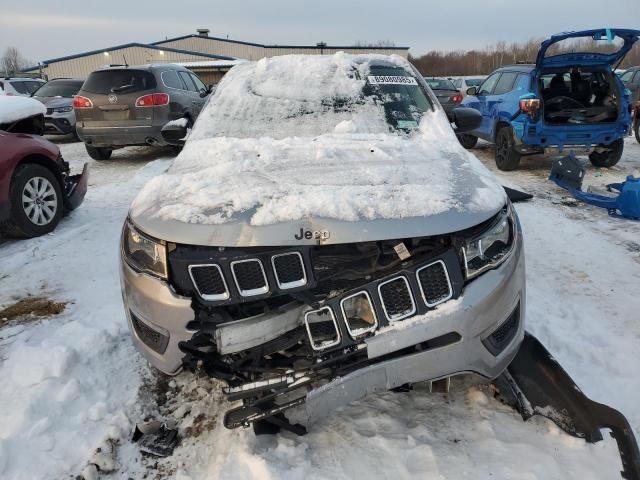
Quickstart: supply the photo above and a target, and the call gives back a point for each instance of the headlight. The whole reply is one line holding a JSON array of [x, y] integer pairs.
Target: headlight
[[490, 248], [63, 109], [142, 253]]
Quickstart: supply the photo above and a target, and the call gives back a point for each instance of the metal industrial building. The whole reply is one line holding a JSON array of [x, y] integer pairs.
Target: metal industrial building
[[210, 57]]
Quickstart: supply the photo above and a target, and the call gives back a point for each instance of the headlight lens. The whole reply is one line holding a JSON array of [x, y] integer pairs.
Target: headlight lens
[[63, 109], [491, 247], [142, 253]]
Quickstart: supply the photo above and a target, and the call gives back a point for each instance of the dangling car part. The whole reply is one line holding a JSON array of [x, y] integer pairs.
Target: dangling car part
[[536, 384], [36, 187], [620, 199]]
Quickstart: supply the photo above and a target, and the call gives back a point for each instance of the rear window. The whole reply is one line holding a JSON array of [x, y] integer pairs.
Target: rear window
[[440, 83], [119, 81]]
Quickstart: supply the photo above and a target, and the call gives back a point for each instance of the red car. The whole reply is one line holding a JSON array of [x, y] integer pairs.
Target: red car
[[36, 189]]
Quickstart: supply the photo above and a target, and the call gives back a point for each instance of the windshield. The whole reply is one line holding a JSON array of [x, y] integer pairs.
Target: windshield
[[280, 98], [440, 83], [59, 88]]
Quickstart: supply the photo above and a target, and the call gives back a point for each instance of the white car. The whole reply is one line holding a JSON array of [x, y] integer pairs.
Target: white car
[[20, 86], [464, 83]]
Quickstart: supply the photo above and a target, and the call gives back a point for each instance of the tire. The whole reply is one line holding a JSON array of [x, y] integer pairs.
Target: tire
[[507, 158], [99, 153], [609, 158], [467, 141], [36, 202], [637, 130]]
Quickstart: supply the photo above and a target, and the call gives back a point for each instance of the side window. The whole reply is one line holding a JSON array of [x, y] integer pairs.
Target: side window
[[171, 80], [487, 86], [505, 84], [636, 79], [626, 76], [199, 85], [32, 86], [19, 87], [186, 78]]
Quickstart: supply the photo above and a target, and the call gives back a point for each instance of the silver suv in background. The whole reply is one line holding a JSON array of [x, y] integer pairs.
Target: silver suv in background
[[57, 95], [123, 106], [20, 86]]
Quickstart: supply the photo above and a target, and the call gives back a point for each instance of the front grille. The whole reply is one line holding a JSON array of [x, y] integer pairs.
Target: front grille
[[209, 281], [500, 338], [434, 282], [396, 298], [289, 270], [250, 277], [153, 339]]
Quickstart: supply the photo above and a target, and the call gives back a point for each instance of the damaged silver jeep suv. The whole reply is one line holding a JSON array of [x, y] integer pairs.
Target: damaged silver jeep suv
[[323, 236]]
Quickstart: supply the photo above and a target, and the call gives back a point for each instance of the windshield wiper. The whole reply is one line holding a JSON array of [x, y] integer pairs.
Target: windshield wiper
[[121, 88]]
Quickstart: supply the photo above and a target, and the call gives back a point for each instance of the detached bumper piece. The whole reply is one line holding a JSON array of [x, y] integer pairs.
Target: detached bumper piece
[[620, 199], [536, 384], [75, 188]]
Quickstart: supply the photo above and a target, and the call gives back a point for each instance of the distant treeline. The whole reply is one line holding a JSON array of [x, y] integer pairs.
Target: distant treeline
[[484, 61]]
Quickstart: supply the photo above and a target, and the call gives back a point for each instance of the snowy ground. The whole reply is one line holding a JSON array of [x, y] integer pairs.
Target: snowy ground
[[72, 383]]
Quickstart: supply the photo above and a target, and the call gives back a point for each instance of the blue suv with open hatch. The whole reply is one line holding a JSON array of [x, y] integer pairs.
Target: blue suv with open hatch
[[566, 101]]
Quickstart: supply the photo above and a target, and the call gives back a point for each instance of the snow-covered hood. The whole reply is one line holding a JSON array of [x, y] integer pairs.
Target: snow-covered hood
[[334, 188], [14, 108]]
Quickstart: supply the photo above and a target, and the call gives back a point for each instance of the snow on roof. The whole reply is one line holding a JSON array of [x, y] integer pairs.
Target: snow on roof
[[213, 63], [14, 108]]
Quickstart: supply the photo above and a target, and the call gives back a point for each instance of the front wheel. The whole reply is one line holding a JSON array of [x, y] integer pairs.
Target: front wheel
[[467, 141], [609, 157], [99, 153], [507, 158], [36, 201]]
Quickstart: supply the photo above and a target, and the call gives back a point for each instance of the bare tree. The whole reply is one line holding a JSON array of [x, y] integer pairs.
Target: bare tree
[[12, 61]]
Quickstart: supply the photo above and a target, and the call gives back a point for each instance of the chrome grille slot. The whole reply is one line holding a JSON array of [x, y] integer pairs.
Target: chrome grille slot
[[396, 298], [322, 328], [289, 270], [435, 285], [359, 314], [209, 282], [250, 277]]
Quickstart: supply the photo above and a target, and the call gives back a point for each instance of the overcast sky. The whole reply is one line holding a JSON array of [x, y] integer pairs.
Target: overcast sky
[[43, 29]]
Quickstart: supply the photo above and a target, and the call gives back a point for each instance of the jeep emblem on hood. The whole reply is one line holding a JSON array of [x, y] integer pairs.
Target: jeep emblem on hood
[[308, 234]]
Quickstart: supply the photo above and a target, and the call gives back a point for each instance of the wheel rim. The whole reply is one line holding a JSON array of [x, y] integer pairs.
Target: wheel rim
[[39, 201]]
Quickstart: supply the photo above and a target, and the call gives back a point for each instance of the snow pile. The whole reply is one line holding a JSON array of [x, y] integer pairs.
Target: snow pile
[[345, 177], [14, 108]]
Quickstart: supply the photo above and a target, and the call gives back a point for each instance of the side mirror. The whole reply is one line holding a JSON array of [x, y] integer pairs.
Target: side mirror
[[473, 91], [174, 132], [204, 92], [466, 119]]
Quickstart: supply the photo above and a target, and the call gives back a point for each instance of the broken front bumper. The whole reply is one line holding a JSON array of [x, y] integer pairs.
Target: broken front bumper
[[75, 188]]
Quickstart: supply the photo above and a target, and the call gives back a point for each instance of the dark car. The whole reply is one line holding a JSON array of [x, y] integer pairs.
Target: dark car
[[122, 106], [57, 96], [36, 188], [446, 92], [631, 80]]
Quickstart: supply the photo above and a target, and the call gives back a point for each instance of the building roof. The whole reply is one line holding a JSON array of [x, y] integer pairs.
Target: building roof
[[253, 44], [212, 63], [127, 45]]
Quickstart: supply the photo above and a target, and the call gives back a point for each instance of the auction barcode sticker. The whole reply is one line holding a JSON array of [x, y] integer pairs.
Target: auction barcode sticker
[[391, 80]]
